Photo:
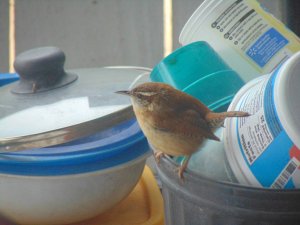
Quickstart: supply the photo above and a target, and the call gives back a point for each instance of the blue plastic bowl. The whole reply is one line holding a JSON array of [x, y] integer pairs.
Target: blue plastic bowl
[[118, 145], [75, 181]]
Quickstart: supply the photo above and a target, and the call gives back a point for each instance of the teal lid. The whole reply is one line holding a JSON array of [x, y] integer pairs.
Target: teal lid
[[216, 90], [199, 71]]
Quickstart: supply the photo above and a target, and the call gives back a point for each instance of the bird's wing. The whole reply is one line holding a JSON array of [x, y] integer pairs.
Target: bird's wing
[[186, 122], [193, 122]]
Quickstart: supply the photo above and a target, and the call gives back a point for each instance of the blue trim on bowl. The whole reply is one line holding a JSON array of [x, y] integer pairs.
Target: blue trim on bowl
[[6, 78], [92, 156]]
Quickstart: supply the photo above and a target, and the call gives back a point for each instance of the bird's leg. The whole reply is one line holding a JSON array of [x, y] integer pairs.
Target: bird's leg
[[183, 167], [158, 155]]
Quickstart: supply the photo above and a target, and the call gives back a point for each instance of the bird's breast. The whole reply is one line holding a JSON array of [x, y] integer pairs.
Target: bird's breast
[[168, 142]]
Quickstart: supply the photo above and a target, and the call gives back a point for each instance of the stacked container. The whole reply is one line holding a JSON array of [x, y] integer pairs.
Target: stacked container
[[70, 147], [253, 43]]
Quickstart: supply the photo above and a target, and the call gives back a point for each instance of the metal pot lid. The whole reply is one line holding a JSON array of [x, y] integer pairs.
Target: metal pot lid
[[49, 106]]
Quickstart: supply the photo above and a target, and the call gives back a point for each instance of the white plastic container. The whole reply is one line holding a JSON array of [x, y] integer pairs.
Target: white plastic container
[[248, 38], [263, 149], [79, 179]]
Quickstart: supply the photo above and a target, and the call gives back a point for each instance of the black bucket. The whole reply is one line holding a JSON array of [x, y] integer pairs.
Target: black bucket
[[199, 200]]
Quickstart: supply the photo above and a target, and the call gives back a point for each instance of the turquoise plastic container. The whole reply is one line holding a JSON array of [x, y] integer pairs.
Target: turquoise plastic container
[[199, 71]]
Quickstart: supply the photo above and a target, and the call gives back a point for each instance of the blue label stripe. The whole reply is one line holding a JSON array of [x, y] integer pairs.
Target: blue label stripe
[[269, 107], [273, 160]]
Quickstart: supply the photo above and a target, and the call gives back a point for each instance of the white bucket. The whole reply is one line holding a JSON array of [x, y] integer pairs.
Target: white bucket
[[248, 38], [263, 149]]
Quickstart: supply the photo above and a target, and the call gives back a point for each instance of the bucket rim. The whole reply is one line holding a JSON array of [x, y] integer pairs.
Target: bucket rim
[[191, 176]]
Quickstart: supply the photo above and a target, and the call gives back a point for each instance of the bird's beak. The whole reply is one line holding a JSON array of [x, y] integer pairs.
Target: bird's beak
[[124, 92]]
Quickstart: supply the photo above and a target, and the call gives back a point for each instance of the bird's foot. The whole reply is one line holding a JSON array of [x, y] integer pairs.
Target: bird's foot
[[182, 168], [158, 156]]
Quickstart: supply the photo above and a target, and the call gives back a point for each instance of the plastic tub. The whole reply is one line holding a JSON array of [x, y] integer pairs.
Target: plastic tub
[[75, 181], [248, 38], [201, 200], [143, 206], [199, 71], [263, 149]]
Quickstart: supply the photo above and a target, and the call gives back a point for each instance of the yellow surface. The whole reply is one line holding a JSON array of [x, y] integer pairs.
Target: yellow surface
[[143, 206]]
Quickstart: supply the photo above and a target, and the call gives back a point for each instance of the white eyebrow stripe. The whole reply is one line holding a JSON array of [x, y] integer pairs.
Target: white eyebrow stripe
[[150, 93]]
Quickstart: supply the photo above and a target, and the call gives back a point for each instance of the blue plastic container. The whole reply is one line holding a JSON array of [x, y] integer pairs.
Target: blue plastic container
[[113, 147], [70, 148], [75, 181]]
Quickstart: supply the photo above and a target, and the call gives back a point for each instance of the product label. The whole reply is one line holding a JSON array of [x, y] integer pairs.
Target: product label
[[283, 178], [264, 144], [266, 47], [254, 131], [250, 33]]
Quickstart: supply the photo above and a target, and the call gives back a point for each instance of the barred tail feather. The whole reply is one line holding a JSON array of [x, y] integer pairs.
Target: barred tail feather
[[217, 119], [234, 114]]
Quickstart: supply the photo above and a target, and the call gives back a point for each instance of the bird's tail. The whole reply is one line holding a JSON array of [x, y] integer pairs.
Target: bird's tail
[[217, 119]]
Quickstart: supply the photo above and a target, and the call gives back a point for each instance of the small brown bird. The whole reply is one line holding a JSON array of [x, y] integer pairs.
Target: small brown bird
[[174, 122]]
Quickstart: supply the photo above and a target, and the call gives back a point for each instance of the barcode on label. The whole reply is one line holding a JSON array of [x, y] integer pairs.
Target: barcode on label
[[285, 175]]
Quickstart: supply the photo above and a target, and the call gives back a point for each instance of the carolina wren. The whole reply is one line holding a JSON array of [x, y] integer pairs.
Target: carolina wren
[[174, 122]]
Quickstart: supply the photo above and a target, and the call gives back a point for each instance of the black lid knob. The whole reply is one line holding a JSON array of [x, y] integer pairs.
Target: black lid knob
[[41, 69]]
